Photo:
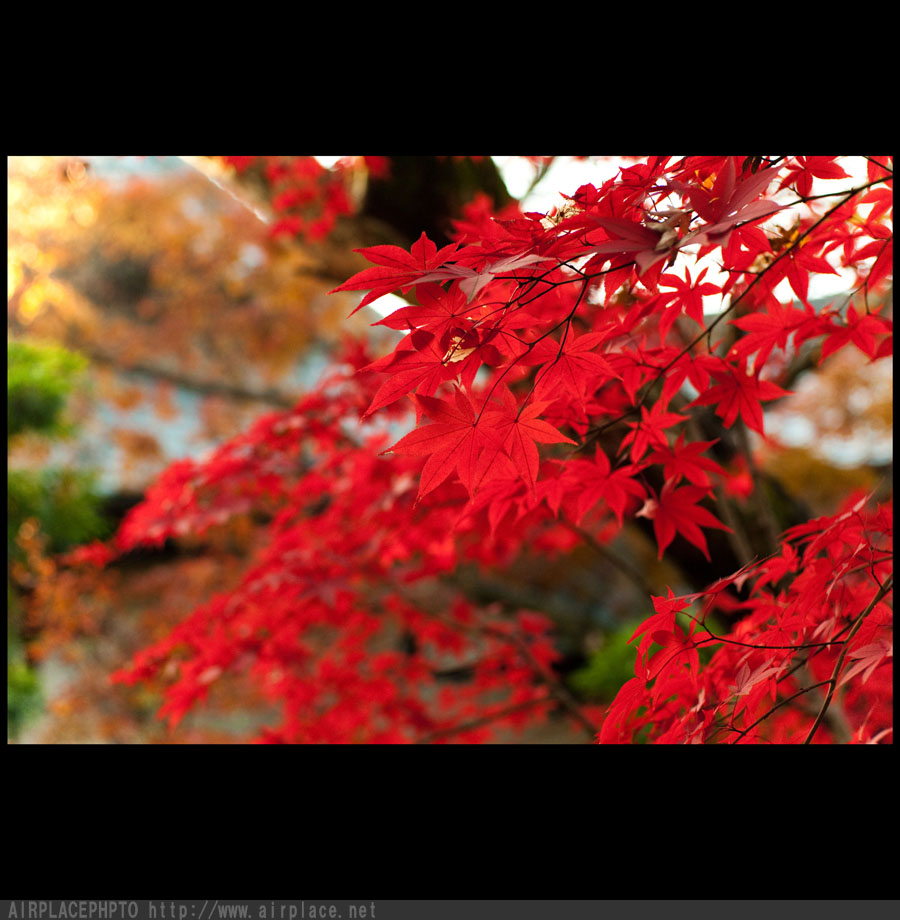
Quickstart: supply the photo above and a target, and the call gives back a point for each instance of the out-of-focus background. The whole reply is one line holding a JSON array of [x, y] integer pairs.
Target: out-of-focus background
[[158, 305]]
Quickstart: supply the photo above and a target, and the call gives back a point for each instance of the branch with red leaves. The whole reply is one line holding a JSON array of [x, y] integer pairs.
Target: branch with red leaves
[[545, 392]]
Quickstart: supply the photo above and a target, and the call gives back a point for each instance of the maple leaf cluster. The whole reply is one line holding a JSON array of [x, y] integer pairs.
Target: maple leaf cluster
[[306, 197], [815, 617], [550, 374]]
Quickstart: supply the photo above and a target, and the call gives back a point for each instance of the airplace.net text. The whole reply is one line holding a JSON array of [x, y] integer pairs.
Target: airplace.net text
[[189, 910]]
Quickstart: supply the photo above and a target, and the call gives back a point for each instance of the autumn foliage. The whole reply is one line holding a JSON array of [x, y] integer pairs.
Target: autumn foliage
[[557, 378]]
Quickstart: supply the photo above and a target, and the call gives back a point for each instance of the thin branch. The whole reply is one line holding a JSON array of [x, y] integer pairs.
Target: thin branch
[[880, 165], [784, 702], [832, 681], [594, 432]]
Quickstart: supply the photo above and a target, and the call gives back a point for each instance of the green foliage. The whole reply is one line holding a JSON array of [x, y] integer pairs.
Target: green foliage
[[609, 667], [64, 502], [612, 664], [23, 692], [39, 379]]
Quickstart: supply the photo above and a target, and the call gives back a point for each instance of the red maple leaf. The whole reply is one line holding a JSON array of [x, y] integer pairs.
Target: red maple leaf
[[803, 171], [747, 680], [860, 329], [596, 481], [501, 497], [868, 658], [676, 659], [416, 364], [471, 280], [458, 440], [396, 268], [437, 311], [650, 430], [661, 621], [622, 708], [575, 369], [687, 298], [631, 239], [729, 203], [738, 392], [884, 263], [774, 328], [686, 460], [521, 429], [676, 511]]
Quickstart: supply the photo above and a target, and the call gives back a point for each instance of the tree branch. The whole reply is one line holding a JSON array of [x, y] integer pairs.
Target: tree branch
[[832, 681]]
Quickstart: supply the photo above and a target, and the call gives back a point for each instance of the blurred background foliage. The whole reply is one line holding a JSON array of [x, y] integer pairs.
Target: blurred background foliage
[[58, 508], [170, 315]]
